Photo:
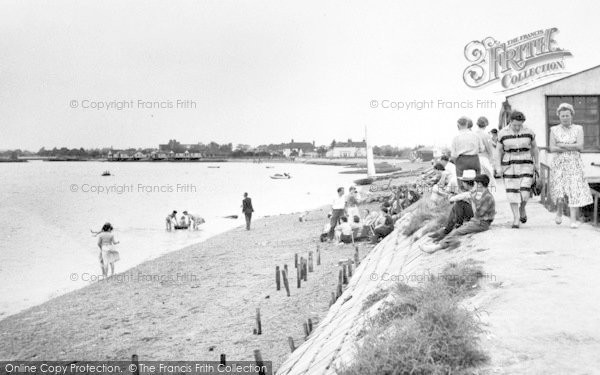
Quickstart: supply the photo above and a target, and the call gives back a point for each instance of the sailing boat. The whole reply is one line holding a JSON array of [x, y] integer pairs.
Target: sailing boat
[[370, 163]]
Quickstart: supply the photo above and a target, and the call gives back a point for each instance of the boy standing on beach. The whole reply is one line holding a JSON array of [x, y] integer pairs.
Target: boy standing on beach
[[484, 210], [338, 209], [247, 210]]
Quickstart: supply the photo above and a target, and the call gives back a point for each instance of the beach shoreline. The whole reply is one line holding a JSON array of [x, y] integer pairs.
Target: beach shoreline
[[174, 306]]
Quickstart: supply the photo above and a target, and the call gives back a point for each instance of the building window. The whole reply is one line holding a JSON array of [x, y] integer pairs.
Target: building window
[[587, 114]]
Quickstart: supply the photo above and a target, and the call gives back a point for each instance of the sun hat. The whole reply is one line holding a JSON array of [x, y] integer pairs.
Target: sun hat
[[468, 175]]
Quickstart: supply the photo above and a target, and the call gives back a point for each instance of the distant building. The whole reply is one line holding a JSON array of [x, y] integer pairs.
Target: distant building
[[121, 155], [296, 148], [291, 149], [348, 149]]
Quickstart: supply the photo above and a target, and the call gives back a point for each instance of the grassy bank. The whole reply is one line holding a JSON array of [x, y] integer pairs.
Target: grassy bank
[[422, 329]]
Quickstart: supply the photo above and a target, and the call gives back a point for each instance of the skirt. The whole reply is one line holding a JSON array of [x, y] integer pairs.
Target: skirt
[[109, 255], [465, 162], [517, 172], [567, 180]]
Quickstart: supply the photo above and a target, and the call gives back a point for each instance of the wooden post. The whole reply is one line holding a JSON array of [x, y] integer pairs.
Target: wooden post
[[222, 361], [259, 361], [298, 278], [296, 260], [310, 325], [135, 363], [333, 299], [277, 278], [318, 256], [339, 286], [310, 261], [258, 324], [345, 274], [349, 270], [305, 270], [356, 257], [285, 282], [285, 269], [306, 333], [291, 342]]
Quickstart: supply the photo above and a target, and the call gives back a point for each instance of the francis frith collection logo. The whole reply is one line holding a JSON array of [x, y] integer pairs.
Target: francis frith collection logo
[[514, 63]]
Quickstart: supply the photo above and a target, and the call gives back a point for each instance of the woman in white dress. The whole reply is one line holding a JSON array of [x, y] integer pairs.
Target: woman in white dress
[[108, 255], [566, 175]]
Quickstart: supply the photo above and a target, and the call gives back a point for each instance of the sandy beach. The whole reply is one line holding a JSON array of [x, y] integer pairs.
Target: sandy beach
[[195, 303]]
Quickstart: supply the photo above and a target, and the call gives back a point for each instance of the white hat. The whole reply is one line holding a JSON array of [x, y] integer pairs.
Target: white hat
[[468, 175]]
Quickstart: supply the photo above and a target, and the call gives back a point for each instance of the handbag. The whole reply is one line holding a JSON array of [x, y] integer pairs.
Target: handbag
[[536, 186]]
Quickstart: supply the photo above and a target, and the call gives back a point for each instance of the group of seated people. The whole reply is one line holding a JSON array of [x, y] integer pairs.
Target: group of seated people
[[376, 225], [186, 221], [473, 210]]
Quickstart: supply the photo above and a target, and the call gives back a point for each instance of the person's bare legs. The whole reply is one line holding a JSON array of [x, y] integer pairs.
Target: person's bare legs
[[522, 211], [102, 268], [573, 211], [559, 211], [516, 214], [112, 269]]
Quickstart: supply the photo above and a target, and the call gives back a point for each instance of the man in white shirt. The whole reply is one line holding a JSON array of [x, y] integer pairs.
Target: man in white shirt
[[338, 208], [450, 168]]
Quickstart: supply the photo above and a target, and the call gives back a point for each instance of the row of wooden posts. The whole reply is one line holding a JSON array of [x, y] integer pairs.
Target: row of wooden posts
[[303, 267]]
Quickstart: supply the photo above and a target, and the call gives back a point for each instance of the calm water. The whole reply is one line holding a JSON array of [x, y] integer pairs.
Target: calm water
[[45, 224]]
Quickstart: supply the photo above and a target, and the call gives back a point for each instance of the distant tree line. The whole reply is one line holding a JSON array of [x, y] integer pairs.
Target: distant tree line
[[212, 148]]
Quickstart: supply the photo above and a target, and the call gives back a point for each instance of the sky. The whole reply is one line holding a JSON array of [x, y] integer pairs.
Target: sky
[[258, 72]]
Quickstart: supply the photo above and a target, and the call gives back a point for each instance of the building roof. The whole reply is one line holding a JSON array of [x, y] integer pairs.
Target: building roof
[[362, 144], [556, 80]]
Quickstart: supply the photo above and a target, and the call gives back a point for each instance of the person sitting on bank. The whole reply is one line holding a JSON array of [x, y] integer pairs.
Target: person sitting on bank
[[383, 227], [171, 220], [461, 211], [484, 210], [344, 231]]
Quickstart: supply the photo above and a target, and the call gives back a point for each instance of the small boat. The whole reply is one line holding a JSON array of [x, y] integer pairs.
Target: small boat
[[364, 181], [279, 176], [106, 173], [214, 166], [181, 226], [269, 166]]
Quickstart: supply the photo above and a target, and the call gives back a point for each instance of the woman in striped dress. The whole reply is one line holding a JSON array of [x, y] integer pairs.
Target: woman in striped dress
[[519, 160]]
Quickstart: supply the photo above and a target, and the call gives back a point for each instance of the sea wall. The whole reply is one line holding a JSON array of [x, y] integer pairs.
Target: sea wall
[[332, 343]]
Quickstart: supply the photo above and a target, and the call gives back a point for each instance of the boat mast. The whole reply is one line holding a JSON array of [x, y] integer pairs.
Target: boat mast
[[370, 161]]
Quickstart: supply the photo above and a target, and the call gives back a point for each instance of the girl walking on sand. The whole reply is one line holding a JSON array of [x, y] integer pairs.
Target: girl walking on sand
[[108, 255]]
